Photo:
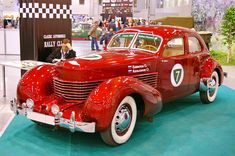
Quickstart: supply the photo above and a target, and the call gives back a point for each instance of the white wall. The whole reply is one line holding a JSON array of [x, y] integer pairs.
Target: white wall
[[96, 9], [12, 39], [80, 9], [90, 8], [142, 12], [2, 45], [9, 7], [173, 11]]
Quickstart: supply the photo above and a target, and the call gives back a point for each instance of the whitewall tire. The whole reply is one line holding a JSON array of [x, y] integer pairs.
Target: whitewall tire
[[123, 123], [210, 95]]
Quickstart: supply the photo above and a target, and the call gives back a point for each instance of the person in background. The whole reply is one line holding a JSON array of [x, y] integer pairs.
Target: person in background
[[105, 38], [105, 24], [138, 22], [65, 52], [1, 23], [112, 25], [119, 24], [16, 23], [93, 34], [125, 24], [143, 22], [101, 24]]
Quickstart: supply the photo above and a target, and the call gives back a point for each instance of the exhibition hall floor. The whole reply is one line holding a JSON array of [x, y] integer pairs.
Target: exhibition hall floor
[[184, 127]]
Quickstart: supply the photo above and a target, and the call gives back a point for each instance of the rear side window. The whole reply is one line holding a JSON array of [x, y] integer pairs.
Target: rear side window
[[194, 45], [174, 47]]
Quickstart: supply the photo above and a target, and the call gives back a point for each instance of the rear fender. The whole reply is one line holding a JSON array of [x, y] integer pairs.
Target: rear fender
[[104, 100], [208, 67]]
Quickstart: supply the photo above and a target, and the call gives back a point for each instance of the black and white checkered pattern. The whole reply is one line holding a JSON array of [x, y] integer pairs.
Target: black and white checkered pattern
[[44, 10]]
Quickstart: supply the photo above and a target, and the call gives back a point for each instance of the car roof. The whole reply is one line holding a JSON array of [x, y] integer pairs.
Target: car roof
[[162, 30]]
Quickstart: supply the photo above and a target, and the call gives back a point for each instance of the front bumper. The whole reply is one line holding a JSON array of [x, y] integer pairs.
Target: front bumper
[[57, 120]]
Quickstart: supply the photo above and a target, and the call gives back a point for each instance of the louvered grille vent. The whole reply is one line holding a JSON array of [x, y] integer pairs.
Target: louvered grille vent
[[72, 90], [150, 79]]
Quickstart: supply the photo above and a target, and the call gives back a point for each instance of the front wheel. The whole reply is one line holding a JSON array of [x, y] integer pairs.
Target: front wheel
[[122, 124], [210, 95]]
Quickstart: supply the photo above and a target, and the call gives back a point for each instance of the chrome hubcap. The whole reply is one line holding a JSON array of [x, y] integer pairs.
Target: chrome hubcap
[[123, 119], [212, 86]]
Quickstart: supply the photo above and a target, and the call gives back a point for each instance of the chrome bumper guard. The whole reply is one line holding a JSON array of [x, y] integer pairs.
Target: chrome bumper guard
[[71, 124]]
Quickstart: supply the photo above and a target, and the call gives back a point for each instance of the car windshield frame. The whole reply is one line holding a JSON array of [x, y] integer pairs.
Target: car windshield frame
[[135, 37]]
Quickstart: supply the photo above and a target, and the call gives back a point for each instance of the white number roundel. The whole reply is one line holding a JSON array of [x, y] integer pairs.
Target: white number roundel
[[177, 75]]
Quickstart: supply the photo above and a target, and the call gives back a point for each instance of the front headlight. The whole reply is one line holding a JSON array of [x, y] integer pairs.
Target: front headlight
[[29, 103], [55, 109]]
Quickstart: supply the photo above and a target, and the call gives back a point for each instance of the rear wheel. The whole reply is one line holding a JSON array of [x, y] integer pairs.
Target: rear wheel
[[210, 95], [122, 124]]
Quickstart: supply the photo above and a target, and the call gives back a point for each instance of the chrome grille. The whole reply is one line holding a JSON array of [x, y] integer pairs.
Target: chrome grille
[[150, 79], [72, 90]]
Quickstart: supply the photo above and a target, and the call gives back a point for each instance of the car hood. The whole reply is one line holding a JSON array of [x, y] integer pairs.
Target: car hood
[[103, 65]]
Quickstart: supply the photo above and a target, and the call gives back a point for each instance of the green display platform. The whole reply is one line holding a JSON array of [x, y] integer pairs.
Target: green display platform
[[184, 128]]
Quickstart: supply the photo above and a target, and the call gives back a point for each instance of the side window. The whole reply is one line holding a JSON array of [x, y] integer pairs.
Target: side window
[[194, 45], [174, 47]]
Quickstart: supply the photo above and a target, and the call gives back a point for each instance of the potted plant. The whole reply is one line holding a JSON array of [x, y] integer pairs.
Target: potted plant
[[228, 30]]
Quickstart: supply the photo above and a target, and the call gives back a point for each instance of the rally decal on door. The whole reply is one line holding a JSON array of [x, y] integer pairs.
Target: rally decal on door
[[138, 68], [177, 75]]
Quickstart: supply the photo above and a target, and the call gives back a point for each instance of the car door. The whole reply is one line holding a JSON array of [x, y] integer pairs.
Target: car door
[[173, 69], [194, 51]]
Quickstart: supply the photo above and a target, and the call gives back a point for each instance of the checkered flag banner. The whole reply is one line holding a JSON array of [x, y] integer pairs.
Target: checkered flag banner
[[46, 11]]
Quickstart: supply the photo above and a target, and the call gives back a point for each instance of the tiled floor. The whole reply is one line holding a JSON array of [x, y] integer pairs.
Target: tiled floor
[[82, 48]]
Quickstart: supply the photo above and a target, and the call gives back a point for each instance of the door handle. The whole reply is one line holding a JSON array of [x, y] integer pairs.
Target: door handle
[[164, 61]]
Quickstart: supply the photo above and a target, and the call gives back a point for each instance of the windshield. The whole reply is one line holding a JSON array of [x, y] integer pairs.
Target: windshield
[[147, 42], [121, 40]]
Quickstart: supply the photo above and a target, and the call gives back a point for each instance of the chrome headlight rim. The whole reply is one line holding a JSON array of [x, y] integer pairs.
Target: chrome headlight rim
[[55, 109], [29, 103]]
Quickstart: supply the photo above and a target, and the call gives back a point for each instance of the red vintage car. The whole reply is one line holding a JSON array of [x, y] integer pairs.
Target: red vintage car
[[143, 67]]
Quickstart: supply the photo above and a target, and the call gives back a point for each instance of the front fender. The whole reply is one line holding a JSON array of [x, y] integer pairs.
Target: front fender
[[104, 100], [36, 83]]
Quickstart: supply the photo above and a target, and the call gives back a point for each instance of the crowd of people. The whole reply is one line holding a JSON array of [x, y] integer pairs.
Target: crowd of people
[[104, 30], [119, 24]]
